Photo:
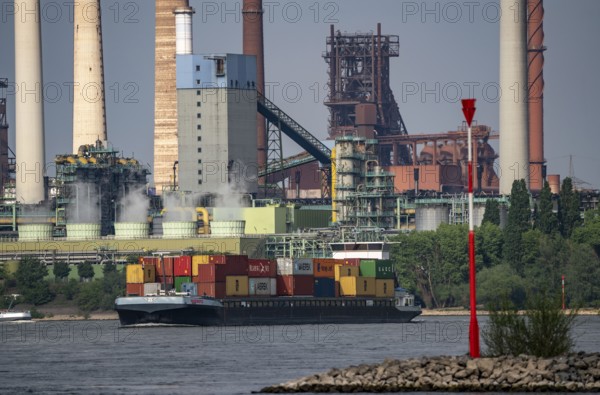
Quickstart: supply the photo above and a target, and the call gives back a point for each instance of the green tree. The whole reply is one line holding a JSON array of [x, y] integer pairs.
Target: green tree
[[519, 221], [589, 233], [489, 241], [61, 270], [492, 212], [109, 268], [85, 271], [30, 281], [71, 289], [568, 209], [547, 221], [500, 282]]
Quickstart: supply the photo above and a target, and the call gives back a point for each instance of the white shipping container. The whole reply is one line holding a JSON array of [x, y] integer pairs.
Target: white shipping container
[[152, 288], [294, 267], [262, 286]]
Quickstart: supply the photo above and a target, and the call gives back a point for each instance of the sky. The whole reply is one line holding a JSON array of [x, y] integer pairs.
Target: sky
[[448, 50]]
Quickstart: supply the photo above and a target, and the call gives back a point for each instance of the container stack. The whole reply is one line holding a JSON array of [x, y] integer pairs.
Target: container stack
[[295, 277], [262, 277], [182, 272], [383, 273], [140, 279], [324, 272]]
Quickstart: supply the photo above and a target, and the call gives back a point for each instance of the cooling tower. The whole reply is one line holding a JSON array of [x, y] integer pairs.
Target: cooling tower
[[165, 93], [89, 119], [29, 103], [514, 119], [252, 14]]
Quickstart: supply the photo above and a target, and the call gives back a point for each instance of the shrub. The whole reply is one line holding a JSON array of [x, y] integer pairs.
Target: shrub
[[544, 330]]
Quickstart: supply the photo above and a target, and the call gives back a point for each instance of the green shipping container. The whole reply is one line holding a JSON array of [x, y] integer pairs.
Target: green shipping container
[[383, 269], [179, 281]]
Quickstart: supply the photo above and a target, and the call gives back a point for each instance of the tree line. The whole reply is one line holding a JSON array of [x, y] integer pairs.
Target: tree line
[[537, 246]]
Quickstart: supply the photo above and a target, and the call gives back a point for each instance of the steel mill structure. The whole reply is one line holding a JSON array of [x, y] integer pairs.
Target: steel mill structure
[[7, 162], [89, 116]]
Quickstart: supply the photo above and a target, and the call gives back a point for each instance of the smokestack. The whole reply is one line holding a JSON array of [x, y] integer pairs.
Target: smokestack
[[183, 31], [514, 119], [252, 14], [535, 54], [165, 93], [89, 117], [29, 103]]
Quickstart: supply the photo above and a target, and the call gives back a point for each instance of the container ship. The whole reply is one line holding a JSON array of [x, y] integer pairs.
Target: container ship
[[214, 290]]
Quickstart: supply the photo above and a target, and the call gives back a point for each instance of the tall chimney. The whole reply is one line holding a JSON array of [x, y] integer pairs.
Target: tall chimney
[[165, 93], [183, 31], [29, 103], [535, 52], [514, 119], [89, 116], [252, 13]]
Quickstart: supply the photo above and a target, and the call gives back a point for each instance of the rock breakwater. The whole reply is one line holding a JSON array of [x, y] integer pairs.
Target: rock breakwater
[[571, 373]]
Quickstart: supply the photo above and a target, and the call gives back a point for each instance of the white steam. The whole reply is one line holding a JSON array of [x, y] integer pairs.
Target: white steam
[[84, 206], [134, 207]]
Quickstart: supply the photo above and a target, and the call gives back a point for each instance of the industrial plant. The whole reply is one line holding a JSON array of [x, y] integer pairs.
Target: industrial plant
[[220, 180]]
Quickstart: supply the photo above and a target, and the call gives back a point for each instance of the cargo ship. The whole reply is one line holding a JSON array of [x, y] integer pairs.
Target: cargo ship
[[235, 290]]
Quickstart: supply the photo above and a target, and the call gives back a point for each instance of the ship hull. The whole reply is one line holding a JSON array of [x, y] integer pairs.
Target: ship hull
[[293, 311]]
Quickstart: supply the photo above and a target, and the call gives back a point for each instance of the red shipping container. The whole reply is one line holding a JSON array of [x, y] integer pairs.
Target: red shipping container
[[183, 266], [148, 260], [237, 267], [295, 285], [212, 273], [337, 289], [350, 261], [168, 263], [262, 268], [215, 290], [196, 279], [135, 289], [227, 259]]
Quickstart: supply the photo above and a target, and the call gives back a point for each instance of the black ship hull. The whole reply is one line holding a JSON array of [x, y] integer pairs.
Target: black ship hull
[[280, 311]]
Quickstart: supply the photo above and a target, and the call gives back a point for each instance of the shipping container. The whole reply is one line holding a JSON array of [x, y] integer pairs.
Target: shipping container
[[262, 268], [135, 289], [166, 266], [180, 280], [135, 274], [337, 289], [237, 267], [324, 287], [149, 273], [295, 285], [262, 286], [212, 273], [294, 267], [236, 286], [165, 280], [150, 260], [324, 267], [226, 259], [351, 261], [384, 288], [183, 266], [382, 269], [357, 286], [346, 271], [214, 290], [199, 260], [190, 288], [152, 289]]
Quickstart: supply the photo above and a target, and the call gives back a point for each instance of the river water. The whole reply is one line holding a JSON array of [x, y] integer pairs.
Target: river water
[[99, 357]]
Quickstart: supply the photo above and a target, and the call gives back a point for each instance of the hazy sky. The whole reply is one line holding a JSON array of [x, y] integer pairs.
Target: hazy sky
[[448, 50]]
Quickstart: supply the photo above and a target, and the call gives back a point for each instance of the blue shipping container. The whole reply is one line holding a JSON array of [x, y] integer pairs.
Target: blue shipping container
[[190, 288], [324, 287]]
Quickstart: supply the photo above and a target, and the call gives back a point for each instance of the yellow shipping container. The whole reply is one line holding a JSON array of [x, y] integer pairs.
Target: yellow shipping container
[[236, 286], [199, 260], [346, 271], [357, 286], [149, 273], [384, 288], [135, 274]]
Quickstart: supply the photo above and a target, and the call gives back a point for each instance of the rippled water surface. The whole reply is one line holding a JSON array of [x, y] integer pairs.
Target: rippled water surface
[[101, 357]]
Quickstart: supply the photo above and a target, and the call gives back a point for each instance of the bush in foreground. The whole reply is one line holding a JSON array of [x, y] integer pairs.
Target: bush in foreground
[[544, 330]]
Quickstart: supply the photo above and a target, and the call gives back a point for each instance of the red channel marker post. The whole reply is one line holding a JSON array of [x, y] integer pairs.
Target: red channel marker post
[[469, 112]]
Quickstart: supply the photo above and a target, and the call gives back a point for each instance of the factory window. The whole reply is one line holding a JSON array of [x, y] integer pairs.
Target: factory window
[[199, 138], [199, 172], [199, 181], [198, 93], [199, 127], [199, 161], [198, 104], [220, 66], [198, 115], [197, 82], [197, 68], [199, 149]]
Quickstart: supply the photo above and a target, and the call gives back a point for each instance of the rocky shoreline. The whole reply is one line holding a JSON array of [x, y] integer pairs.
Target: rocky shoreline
[[571, 373]]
